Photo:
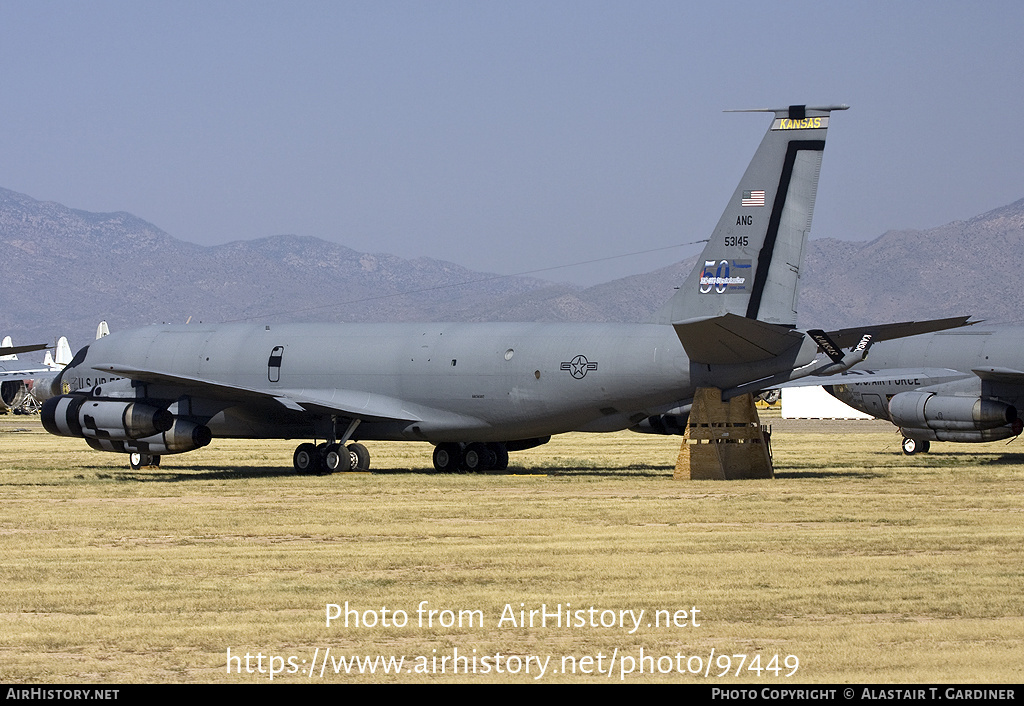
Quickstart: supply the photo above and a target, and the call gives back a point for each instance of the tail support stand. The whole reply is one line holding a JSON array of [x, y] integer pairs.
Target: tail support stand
[[723, 440]]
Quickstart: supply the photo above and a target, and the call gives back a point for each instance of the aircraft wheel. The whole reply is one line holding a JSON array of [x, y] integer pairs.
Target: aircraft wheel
[[335, 458], [913, 446], [447, 458], [359, 458], [474, 459], [479, 457], [771, 396], [320, 460], [305, 459], [500, 456], [137, 461]]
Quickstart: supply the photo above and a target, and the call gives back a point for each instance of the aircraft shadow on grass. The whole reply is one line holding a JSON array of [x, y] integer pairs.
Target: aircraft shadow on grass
[[187, 474]]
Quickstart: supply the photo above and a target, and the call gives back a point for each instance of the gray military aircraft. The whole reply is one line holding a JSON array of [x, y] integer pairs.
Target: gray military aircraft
[[478, 391], [959, 385]]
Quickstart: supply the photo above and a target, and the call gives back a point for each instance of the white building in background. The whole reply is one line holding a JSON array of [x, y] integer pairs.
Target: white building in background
[[815, 403]]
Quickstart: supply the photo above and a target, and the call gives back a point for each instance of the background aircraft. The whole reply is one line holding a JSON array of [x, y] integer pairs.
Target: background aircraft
[[16, 376], [959, 385], [477, 391], [23, 387]]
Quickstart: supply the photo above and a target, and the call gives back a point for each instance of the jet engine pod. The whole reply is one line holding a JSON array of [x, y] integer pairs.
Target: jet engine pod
[[80, 416], [926, 410], [182, 436]]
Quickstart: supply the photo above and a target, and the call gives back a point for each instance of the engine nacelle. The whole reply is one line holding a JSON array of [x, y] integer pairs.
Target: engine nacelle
[[116, 420], [975, 436], [927, 410], [182, 436], [663, 424]]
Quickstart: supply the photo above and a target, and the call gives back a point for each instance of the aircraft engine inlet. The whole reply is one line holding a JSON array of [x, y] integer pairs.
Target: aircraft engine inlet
[[12, 393]]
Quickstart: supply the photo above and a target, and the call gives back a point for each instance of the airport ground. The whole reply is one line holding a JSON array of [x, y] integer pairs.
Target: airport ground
[[855, 564]]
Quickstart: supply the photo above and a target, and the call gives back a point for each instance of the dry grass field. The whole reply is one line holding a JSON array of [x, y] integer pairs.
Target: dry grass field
[[856, 564]]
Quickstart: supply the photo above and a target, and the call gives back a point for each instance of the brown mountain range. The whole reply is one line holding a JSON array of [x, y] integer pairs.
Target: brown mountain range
[[66, 269]]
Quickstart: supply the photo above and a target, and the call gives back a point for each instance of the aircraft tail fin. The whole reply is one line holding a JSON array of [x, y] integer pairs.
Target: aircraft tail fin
[[64, 354], [7, 343], [751, 264]]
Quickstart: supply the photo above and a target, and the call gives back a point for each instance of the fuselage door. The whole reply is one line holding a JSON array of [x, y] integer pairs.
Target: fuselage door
[[873, 405], [274, 364]]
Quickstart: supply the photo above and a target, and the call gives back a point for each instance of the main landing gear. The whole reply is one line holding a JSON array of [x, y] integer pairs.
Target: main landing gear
[[310, 460], [333, 455], [913, 446], [471, 458]]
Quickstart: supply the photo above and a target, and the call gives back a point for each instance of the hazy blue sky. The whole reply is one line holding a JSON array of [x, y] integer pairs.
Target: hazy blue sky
[[503, 136]]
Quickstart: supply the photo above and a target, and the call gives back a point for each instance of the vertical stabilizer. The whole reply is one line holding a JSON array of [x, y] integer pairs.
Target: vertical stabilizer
[[64, 354], [7, 343], [751, 264]]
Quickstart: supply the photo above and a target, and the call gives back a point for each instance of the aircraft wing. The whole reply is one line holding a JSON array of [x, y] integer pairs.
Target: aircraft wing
[[346, 403], [15, 350], [1003, 375], [24, 374], [922, 377]]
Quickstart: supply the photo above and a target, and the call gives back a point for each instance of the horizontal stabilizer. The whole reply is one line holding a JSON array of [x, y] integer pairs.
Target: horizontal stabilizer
[[858, 339], [731, 339], [844, 338]]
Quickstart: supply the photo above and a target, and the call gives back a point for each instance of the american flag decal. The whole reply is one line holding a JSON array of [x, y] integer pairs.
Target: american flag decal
[[753, 198]]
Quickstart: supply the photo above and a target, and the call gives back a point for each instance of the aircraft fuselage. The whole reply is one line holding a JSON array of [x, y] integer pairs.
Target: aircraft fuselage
[[965, 385], [446, 381]]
